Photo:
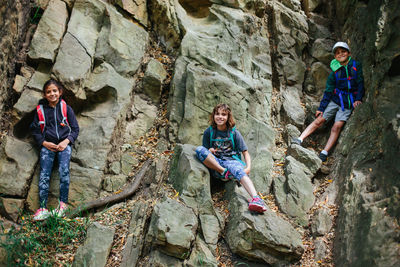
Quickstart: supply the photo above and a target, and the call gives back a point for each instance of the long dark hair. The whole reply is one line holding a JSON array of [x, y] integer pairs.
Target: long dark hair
[[54, 82], [230, 123]]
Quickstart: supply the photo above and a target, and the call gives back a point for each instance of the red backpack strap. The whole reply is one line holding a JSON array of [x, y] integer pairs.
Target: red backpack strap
[[42, 119], [63, 107]]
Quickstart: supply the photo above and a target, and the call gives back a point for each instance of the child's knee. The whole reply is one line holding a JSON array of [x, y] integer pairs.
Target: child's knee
[[202, 153]]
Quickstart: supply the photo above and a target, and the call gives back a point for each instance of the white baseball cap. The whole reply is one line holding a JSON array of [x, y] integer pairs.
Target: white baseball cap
[[342, 45]]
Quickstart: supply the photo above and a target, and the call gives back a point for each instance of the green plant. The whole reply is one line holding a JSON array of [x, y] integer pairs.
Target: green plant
[[36, 243], [36, 15]]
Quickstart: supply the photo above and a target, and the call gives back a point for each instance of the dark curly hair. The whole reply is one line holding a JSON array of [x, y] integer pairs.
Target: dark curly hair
[[230, 123]]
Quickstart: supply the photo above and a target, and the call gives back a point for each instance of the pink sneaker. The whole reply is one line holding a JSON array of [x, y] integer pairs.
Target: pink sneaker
[[257, 205], [61, 209], [41, 214]]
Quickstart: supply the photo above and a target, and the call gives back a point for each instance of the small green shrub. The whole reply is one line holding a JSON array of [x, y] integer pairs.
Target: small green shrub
[[36, 242]]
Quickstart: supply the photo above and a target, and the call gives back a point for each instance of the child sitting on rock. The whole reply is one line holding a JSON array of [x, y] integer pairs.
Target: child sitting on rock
[[344, 91], [222, 145], [55, 129]]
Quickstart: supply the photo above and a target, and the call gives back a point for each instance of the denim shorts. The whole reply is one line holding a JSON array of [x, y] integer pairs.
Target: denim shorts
[[334, 109], [235, 167]]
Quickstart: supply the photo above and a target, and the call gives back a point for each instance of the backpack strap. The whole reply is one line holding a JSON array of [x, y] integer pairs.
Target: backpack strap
[[63, 107], [211, 135], [42, 119], [231, 136]]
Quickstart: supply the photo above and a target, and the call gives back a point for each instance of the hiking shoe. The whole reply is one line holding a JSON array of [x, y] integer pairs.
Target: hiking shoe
[[61, 209], [323, 157], [41, 214], [226, 176], [257, 205], [296, 141]]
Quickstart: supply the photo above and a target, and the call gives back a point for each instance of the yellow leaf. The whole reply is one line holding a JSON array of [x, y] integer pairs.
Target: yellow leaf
[[329, 181], [176, 195]]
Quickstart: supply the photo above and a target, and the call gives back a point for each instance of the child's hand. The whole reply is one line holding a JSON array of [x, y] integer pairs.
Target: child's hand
[[50, 146], [318, 113], [212, 150], [247, 171], [356, 103], [61, 146]]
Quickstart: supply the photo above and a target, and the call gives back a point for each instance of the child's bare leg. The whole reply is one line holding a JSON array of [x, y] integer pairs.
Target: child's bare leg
[[335, 131], [211, 163], [248, 185], [318, 122]]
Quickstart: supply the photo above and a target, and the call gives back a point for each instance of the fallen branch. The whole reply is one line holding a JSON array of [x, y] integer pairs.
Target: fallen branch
[[109, 200]]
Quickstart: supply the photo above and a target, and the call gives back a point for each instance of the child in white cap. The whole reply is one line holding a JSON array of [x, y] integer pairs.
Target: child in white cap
[[344, 92]]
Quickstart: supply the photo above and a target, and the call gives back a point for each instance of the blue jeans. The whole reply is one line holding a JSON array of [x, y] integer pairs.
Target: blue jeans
[[46, 165], [235, 167]]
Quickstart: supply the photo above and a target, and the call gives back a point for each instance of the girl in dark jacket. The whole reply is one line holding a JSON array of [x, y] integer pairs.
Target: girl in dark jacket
[[55, 129]]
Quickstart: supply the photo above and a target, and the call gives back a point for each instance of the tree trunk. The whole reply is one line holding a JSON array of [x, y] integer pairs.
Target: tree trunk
[[109, 200]]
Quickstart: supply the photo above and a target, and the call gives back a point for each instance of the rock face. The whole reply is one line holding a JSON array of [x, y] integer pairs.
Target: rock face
[[368, 166], [172, 228], [94, 56], [228, 62], [94, 251], [269, 61], [191, 178], [16, 168], [49, 32], [266, 238], [294, 192], [14, 18]]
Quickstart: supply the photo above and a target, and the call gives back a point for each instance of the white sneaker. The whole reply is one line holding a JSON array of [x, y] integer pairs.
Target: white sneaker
[[41, 214], [61, 209]]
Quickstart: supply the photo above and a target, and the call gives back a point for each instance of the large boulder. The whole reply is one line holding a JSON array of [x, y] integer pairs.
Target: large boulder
[[260, 237], [292, 107], [74, 60], [201, 255], [109, 93], [172, 228], [307, 157], [39, 77], [294, 191], [27, 102], [319, 73], [11, 208], [153, 78], [121, 43], [192, 179], [322, 51], [143, 112], [94, 252], [165, 22], [49, 32], [16, 168], [135, 240], [291, 30], [137, 8]]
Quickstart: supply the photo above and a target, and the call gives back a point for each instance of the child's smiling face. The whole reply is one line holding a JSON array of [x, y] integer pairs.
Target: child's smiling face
[[220, 118], [342, 55], [52, 94]]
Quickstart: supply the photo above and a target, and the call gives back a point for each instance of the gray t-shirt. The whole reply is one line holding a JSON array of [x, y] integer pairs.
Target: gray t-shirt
[[222, 142]]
